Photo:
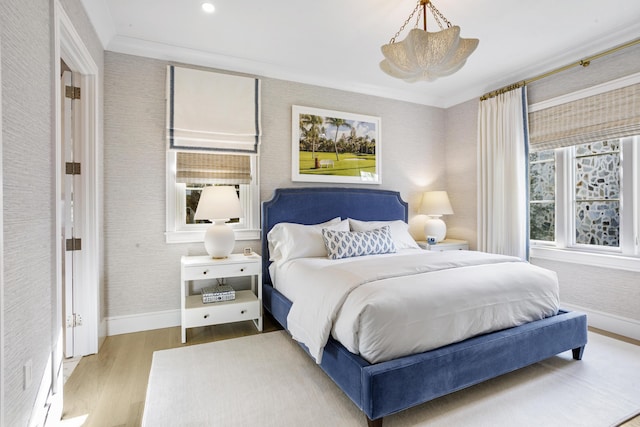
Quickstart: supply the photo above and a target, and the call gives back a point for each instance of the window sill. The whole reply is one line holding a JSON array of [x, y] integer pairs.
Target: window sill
[[618, 262], [196, 236]]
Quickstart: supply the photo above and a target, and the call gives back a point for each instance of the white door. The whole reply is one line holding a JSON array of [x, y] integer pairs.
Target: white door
[[71, 239]]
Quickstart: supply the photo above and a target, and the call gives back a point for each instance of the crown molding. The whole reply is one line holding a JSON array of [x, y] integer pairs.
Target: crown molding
[[100, 17], [149, 49]]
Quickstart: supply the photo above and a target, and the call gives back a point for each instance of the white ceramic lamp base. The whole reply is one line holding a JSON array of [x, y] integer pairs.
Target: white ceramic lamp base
[[219, 239], [435, 227]]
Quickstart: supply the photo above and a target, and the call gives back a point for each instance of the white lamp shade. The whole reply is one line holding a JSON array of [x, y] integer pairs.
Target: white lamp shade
[[218, 204], [435, 204]]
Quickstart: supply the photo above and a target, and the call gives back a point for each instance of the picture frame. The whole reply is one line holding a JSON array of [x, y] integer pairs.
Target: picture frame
[[335, 146]]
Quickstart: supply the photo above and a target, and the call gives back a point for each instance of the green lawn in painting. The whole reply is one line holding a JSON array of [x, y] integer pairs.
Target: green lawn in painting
[[348, 164]]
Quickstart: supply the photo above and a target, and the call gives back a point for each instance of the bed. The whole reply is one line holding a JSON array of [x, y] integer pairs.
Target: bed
[[393, 384]]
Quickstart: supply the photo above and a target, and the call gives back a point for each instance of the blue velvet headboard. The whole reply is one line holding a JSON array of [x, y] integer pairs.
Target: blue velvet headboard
[[318, 204]]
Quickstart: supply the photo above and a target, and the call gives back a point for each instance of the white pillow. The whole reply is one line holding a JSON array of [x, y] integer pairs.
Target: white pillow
[[399, 231], [346, 244], [289, 241]]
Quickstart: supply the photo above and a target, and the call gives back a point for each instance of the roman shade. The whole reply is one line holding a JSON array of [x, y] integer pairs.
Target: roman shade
[[212, 168], [212, 111], [612, 114]]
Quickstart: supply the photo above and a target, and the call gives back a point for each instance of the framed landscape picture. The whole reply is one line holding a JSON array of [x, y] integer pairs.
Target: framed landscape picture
[[334, 146]]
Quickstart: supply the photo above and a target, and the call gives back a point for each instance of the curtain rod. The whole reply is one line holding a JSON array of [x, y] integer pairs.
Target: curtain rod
[[583, 62]]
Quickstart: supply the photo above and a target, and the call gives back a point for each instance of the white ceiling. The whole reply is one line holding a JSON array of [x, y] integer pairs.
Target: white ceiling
[[336, 43]]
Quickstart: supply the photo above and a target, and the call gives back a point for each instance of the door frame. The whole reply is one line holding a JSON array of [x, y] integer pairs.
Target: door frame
[[70, 48]]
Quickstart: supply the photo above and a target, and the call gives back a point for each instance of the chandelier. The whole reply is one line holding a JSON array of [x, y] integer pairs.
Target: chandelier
[[423, 55]]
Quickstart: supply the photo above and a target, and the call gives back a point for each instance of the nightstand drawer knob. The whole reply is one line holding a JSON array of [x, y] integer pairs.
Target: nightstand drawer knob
[[242, 269], [206, 316], [205, 272], [243, 311]]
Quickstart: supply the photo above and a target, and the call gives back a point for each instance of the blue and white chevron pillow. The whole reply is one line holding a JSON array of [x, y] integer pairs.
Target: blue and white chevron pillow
[[346, 244]]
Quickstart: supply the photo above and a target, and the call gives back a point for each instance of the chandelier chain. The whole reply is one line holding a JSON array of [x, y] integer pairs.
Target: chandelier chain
[[437, 14], [393, 39]]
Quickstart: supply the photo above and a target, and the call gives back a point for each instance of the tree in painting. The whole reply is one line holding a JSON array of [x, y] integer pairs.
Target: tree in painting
[[337, 122]]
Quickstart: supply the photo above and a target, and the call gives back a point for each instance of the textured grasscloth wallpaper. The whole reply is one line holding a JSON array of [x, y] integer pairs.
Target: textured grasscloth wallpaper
[[461, 170], [609, 291], [615, 292], [601, 289], [142, 271], [422, 148], [28, 186], [27, 179]]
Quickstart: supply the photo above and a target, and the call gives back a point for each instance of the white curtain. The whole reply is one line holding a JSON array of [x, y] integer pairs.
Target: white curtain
[[502, 175]]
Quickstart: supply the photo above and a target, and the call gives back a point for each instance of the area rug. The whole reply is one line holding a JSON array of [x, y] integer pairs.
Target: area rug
[[268, 380]]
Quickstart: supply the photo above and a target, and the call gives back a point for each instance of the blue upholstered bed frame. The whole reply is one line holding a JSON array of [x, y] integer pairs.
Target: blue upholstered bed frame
[[385, 388]]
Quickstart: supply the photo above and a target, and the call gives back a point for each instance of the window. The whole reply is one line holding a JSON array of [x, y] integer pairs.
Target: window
[[584, 176], [585, 197], [542, 195], [188, 172]]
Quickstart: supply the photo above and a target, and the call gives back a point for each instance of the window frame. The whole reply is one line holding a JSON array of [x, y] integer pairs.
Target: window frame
[[628, 257], [564, 248], [177, 231]]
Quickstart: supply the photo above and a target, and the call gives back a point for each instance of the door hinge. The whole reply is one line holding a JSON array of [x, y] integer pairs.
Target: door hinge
[[72, 168], [74, 244], [74, 320], [72, 92]]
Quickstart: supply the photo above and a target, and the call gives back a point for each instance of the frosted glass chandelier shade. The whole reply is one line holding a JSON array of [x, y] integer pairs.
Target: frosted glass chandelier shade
[[424, 55], [218, 204]]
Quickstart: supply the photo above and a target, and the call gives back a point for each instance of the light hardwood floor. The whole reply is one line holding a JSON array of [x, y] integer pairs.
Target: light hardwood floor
[[108, 389]]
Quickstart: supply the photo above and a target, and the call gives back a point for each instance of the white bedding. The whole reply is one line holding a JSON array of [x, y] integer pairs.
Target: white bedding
[[387, 306]]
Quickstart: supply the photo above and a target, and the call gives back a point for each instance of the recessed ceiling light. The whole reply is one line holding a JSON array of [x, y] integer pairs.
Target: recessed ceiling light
[[208, 7]]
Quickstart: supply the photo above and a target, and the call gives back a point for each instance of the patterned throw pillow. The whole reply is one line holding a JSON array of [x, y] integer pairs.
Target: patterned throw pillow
[[346, 244]]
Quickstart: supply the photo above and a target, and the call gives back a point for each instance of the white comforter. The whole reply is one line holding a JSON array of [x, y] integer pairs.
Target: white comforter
[[383, 307]]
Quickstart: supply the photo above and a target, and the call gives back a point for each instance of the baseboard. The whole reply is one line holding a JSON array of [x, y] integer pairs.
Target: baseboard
[[608, 322], [142, 322], [102, 332], [171, 318], [41, 406]]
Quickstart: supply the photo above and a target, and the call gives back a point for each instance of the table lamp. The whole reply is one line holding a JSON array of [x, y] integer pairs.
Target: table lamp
[[434, 205], [218, 204]]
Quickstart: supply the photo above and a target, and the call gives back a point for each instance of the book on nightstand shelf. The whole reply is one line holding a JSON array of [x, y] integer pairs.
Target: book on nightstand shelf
[[217, 293]]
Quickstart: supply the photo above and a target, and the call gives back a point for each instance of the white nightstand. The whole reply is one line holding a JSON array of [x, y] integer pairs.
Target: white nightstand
[[246, 306], [445, 245]]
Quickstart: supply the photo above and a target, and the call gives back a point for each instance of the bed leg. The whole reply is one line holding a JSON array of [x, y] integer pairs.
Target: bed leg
[[374, 423], [577, 353]]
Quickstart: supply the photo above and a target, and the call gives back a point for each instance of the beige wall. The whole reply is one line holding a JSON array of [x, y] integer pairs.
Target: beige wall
[[461, 170], [28, 254], [422, 148], [608, 292], [142, 271], [28, 173]]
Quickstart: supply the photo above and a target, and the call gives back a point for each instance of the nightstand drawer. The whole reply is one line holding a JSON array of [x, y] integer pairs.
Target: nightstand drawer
[[245, 307], [230, 270]]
